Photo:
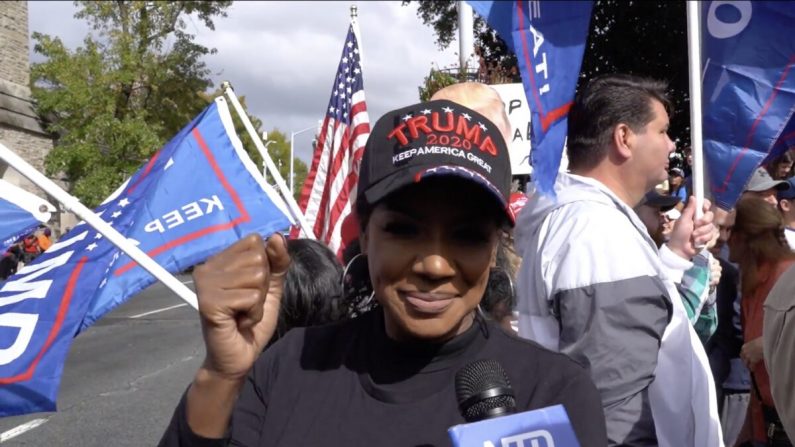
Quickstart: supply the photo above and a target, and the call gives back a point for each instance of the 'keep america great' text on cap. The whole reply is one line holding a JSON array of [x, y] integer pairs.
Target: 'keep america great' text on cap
[[434, 138]]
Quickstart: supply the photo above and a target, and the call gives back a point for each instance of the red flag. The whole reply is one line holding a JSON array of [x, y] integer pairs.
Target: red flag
[[329, 192]]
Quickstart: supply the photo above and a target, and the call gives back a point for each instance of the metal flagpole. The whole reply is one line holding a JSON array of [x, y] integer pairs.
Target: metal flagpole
[[292, 154], [465, 35], [72, 204], [355, 24], [694, 73], [269, 165]]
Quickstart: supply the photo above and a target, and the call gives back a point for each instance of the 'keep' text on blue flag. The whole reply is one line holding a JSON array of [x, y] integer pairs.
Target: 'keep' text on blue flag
[[199, 194]]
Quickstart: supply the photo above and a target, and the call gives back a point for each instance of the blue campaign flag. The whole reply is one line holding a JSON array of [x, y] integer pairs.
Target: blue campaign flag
[[749, 90], [199, 194], [20, 213], [545, 427], [548, 38]]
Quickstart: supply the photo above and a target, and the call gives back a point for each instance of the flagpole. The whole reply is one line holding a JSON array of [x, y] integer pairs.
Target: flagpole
[[694, 74], [269, 165], [72, 204], [355, 25]]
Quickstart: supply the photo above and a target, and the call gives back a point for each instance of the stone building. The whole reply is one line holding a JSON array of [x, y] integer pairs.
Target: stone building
[[20, 128]]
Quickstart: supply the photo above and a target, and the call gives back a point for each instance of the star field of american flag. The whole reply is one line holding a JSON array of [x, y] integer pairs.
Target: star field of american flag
[[348, 81]]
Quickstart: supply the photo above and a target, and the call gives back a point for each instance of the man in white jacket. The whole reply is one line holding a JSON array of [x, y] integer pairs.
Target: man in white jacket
[[594, 285]]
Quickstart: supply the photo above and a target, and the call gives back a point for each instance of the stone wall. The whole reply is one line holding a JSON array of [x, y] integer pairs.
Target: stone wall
[[15, 66]]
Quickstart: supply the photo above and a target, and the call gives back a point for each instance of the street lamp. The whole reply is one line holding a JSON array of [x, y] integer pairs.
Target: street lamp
[[292, 154], [267, 143]]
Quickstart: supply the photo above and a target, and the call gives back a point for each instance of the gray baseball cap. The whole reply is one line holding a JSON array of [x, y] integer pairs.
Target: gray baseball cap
[[762, 181]]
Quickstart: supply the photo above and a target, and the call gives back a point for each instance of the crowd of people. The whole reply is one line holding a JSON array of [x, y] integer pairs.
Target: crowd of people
[[24, 251], [649, 325], [651, 321]]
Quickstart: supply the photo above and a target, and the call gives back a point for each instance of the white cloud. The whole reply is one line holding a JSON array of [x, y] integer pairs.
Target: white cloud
[[283, 55]]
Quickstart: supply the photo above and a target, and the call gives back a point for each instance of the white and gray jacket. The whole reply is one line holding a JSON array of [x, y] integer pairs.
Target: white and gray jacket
[[593, 285]]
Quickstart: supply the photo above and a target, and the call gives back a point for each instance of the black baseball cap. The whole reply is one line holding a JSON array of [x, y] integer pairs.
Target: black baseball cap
[[661, 201], [430, 139]]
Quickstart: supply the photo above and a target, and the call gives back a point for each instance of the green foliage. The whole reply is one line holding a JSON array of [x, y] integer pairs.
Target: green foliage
[[130, 87], [636, 37], [435, 81], [279, 150], [497, 63]]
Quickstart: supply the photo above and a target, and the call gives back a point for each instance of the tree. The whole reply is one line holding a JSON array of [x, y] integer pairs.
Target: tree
[[130, 87], [641, 38], [279, 150]]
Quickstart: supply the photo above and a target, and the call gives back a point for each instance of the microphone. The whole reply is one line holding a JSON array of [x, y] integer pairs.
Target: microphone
[[484, 391], [488, 404]]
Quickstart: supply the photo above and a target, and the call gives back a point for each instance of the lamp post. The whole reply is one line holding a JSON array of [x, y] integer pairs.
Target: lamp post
[[267, 143], [292, 155]]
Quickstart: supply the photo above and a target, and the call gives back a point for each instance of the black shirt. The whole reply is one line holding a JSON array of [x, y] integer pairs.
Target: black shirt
[[348, 384]]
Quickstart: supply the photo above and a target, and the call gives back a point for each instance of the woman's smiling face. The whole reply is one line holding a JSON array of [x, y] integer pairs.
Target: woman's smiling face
[[430, 247]]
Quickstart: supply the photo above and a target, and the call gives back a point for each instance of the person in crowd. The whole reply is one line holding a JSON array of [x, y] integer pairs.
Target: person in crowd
[[732, 379], [593, 284], [10, 260], [312, 288], [676, 183], [43, 237], [763, 186], [786, 204], [430, 223], [30, 248], [697, 288], [758, 246], [781, 167], [778, 337]]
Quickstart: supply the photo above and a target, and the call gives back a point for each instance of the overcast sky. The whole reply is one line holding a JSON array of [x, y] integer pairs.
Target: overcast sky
[[283, 55]]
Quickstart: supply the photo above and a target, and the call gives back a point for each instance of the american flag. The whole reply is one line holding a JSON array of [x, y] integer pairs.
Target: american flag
[[329, 192]]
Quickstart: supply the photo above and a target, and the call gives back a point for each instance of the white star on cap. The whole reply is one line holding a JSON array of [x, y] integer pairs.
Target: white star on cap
[[124, 202], [448, 110], [98, 236], [406, 117], [91, 246], [115, 214], [426, 111], [466, 115], [482, 126]]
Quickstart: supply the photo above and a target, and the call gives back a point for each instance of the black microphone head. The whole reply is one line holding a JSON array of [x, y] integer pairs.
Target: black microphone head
[[484, 391]]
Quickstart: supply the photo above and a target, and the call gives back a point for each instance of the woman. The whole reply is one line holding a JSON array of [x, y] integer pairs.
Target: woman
[[781, 167], [757, 244], [431, 202]]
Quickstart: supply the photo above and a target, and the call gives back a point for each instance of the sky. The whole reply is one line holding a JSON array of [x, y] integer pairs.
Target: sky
[[282, 56]]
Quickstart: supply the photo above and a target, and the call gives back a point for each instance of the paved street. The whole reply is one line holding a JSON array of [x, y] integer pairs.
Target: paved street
[[122, 379]]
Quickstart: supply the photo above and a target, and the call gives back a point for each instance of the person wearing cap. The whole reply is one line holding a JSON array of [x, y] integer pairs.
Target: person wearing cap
[[431, 201], [676, 181], [786, 204], [595, 286], [697, 287], [763, 186]]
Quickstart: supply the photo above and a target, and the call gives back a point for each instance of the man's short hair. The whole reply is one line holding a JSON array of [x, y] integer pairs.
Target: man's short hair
[[604, 103]]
